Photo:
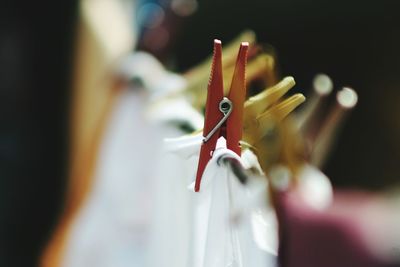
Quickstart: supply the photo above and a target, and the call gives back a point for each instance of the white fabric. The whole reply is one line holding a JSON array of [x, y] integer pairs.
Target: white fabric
[[229, 232], [171, 228], [112, 227], [225, 224], [155, 78], [175, 111]]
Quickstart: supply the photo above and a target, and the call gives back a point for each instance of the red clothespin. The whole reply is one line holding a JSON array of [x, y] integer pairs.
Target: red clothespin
[[224, 115]]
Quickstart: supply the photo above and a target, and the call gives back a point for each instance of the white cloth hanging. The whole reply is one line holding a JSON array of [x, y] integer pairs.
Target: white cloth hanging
[[229, 206], [112, 227], [198, 229], [170, 229]]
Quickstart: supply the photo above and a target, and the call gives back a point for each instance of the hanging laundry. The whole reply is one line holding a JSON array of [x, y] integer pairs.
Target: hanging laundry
[[224, 208], [111, 228], [187, 227]]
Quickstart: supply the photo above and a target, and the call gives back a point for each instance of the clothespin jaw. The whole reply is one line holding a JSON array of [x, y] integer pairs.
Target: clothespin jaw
[[200, 73], [212, 116], [237, 94], [223, 116]]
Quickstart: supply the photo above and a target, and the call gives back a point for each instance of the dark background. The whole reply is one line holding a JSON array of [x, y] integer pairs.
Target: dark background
[[36, 40], [355, 42]]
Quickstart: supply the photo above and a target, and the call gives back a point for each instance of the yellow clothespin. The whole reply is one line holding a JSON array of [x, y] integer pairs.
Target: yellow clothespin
[[268, 130], [262, 109], [346, 100]]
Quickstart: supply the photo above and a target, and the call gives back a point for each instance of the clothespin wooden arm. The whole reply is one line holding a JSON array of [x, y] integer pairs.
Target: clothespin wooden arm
[[255, 105], [346, 100], [212, 115], [257, 128], [197, 77], [259, 104], [237, 94], [229, 53]]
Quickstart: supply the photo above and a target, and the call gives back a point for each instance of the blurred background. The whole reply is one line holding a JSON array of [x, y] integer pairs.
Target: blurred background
[[355, 42]]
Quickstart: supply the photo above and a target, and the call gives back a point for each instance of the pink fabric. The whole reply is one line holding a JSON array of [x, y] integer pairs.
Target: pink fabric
[[337, 237]]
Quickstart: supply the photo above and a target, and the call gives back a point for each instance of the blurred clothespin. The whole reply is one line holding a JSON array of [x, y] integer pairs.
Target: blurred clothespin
[[320, 126], [224, 115], [308, 117], [261, 110], [266, 129], [346, 100]]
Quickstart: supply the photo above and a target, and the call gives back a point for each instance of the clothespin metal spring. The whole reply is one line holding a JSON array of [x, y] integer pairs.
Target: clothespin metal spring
[[226, 107]]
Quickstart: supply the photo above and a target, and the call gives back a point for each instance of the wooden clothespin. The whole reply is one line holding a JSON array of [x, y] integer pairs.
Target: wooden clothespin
[[224, 115], [346, 100], [259, 67], [266, 107], [197, 74], [264, 128]]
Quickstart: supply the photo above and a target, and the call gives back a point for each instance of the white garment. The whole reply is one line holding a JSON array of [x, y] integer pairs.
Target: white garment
[[171, 228], [229, 232], [112, 227], [146, 69], [200, 229]]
